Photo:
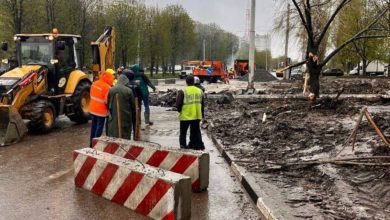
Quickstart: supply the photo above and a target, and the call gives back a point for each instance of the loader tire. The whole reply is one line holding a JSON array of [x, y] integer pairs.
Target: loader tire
[[80, 100], [42, 118]]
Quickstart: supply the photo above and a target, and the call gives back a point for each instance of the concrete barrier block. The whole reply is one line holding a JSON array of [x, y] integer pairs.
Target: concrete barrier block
[[195, 164], [170, 81], [145, 189]]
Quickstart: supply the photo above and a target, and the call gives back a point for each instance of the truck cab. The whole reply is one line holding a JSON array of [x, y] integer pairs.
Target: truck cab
[[187, 70]]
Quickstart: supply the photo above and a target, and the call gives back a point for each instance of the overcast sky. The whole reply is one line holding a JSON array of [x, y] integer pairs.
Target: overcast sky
[[231, 16]]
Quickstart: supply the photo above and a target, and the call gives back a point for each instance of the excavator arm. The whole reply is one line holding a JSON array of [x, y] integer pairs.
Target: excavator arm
[[103, 52]]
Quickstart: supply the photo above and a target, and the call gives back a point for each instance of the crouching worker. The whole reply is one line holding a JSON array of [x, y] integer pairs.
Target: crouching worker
[[190, 104], [98, 104], [121, 108]]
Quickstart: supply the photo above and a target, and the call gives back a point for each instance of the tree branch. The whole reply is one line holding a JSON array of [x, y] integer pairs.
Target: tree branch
[[331, 19], [309, 22], [295, 65], [356, 37], [303, 19], [372, 37], [321, 4]]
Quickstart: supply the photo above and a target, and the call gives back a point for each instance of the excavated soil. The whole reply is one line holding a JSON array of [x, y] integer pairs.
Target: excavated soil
[[332, 85], [262, 136], [164, 99], [265, 135]]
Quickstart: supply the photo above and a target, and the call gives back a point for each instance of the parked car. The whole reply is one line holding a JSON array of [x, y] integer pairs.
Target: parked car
[[375, 67], [296, 74], [333, 72]]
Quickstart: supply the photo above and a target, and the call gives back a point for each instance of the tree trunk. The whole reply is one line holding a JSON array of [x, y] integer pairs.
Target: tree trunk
[[314, 79], [152, 62], [50, 14], [124, 56], [364, 67], [157, 62], [388, 63], [173, 63], [17, 13], [164, 66]]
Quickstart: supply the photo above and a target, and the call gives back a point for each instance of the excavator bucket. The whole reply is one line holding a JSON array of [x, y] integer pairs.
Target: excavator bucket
[[12, 127]]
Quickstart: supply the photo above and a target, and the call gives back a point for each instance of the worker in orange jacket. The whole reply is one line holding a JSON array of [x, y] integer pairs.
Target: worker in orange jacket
[[98, 104]]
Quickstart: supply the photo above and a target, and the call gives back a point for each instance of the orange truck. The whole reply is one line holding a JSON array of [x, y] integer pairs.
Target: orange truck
[[241, 67], [211, 71]]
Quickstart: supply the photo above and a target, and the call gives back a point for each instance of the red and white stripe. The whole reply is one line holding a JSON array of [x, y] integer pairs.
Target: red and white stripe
[[179, 161], [125, 182]]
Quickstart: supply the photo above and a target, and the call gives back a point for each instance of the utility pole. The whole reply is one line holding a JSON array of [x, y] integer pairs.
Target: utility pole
[[286, 60], [252, 46], [204, 49], [266, 51], [232, 56], [139, 48]]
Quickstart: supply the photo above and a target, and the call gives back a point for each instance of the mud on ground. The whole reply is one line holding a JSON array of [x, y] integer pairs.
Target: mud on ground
[[263, 135], [331, 85]]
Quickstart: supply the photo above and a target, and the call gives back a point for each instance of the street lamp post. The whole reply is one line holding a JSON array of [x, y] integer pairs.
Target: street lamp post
[[252, 46]]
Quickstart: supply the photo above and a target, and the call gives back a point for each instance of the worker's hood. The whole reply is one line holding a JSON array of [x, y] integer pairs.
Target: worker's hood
[[107, 78], [129, 74], [123, 80], [136, 68], [21, 72]]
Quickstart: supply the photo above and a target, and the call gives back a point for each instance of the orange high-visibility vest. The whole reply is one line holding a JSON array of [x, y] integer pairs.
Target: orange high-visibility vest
[[99, 93]]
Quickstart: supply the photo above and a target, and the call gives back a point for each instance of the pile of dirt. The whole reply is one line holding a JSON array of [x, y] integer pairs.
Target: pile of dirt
[[263, 136], [164, 99], [355, 85], [331, 85], [260, 76]]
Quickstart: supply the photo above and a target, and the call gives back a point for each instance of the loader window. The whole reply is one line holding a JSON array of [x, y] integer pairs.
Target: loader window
[[36, 53], [66, 58]]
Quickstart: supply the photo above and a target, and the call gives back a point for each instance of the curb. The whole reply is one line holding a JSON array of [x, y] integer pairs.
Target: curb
[[240, 173]]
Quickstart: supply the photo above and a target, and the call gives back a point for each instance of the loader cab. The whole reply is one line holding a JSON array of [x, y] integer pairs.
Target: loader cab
[[59, 53]]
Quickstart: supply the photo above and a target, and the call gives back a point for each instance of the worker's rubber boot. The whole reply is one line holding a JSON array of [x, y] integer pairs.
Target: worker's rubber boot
[[147, 119]]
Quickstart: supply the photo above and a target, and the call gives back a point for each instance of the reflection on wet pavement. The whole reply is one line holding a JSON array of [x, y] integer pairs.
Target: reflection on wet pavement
[[36, 178]]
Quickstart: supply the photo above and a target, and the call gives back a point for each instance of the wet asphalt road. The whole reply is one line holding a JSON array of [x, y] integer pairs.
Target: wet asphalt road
[[36, 178]]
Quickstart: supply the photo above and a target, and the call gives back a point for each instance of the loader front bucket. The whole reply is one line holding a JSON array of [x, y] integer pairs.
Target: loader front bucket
[[12, 127]]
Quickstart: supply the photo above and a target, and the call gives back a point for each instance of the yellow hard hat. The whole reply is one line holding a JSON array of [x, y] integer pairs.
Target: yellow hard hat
[[110, 71]]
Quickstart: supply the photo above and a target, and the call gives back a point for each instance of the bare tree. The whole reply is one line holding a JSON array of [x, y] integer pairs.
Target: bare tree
[[316, 34]]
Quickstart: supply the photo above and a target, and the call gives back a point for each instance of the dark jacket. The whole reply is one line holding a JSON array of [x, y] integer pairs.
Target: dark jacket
[[135, 88], [143, 79], [200, 87], [180, 101], [126, 105]]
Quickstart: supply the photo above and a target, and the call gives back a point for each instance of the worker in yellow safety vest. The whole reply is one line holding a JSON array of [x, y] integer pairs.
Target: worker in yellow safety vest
[[190, 105]]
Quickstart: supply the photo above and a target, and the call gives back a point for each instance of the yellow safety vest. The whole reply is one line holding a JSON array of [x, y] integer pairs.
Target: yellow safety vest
[[192, 104]]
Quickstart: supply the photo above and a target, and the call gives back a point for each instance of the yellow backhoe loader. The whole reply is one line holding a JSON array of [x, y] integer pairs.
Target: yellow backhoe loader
[[47, 83], [103, 52]]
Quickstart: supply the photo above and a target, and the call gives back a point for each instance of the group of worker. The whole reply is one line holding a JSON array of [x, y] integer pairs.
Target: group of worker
[[116, 95]]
